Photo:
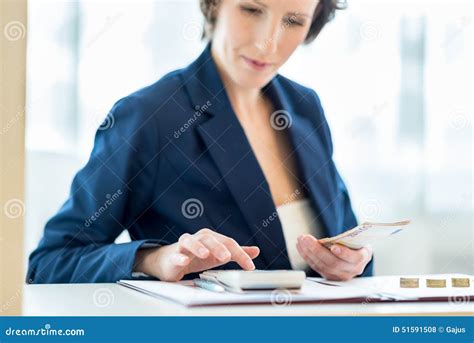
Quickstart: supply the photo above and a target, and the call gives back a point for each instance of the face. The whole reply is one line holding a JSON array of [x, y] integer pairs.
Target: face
[[252, 39]]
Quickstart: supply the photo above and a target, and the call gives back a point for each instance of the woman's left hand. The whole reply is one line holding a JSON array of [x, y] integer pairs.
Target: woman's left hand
[[339, 263]]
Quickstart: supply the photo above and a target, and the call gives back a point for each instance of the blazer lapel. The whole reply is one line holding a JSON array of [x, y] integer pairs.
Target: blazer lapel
[[232, 154], [227, 144], [311, 157]]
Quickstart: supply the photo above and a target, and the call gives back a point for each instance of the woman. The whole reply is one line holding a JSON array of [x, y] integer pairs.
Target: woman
[[223, 164]]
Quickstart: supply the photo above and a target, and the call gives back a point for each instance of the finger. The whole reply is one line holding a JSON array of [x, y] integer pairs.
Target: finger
[[190, 243], [315, 264], [343, 276], [233, 249], [321, 256], [252, 251], [238, 254], [303, 254], [322, 269], [354, 256], [316, 251], [369, 252], [217, 249], [180, 260]]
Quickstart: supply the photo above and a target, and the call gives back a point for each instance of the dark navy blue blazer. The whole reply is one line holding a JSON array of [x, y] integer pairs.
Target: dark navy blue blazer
[[173, 158]]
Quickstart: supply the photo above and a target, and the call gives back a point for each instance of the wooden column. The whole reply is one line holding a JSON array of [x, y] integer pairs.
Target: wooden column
[[13, 21]]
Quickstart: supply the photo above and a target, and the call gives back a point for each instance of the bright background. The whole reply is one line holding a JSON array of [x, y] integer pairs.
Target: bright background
[[395, 80]]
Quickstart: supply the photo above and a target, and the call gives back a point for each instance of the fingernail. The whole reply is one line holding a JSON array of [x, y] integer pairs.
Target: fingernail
[[367, 254], [336, 249], [223, 255], [250, 265], [202, 251], [182, 259]]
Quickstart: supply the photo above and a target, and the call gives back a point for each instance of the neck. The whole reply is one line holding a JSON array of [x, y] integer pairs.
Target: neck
[[242, 99]]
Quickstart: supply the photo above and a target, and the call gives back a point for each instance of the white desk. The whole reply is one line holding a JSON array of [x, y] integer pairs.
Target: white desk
[[115, 300]]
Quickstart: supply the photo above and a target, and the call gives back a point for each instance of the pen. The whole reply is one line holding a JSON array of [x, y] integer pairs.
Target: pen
[[208, 285], [327, 284]]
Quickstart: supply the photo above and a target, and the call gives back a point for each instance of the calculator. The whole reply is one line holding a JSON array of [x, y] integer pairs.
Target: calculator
[[256, 279]]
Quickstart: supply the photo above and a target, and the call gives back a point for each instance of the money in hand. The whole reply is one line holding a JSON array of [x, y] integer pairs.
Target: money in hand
[[365, 234]]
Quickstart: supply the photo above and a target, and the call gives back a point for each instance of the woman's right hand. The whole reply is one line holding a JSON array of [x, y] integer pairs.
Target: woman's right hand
[[206, 249]]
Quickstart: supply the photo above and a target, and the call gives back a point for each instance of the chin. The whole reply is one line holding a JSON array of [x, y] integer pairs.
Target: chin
[[246, 80]]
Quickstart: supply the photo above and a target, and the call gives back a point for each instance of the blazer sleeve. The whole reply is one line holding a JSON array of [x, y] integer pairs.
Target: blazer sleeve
[[349, 219], [107, 196]]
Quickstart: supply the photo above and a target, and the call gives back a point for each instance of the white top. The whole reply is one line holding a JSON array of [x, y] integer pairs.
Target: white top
[[298, 218]]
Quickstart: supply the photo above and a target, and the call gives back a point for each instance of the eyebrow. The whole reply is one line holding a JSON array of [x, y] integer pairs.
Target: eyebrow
[[260, 3], [296, 14]]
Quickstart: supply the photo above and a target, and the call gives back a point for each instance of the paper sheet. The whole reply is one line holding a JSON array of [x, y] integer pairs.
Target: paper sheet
[[362, 288], [391, 285], [184, 292]]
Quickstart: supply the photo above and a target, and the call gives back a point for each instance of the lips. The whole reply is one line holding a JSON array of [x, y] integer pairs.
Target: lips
[[255, 64]]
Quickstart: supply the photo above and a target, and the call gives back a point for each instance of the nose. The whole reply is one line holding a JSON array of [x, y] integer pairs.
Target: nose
[[269, 37]]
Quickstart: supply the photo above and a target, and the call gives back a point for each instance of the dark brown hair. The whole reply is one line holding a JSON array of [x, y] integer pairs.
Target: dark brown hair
[[324, 13]]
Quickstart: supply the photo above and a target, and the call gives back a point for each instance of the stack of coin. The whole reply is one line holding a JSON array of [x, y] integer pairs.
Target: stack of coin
[[460, 282], [406, 282], [436, 283]]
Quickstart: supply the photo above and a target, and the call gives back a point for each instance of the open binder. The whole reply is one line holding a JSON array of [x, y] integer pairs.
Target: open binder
[[314, 290]]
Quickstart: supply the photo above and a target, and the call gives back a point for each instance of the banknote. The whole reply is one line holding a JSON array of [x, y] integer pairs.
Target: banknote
[[364, 234]]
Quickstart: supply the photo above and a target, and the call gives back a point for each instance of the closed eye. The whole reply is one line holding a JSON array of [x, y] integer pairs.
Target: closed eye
[[293, 21], [251, 10]]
